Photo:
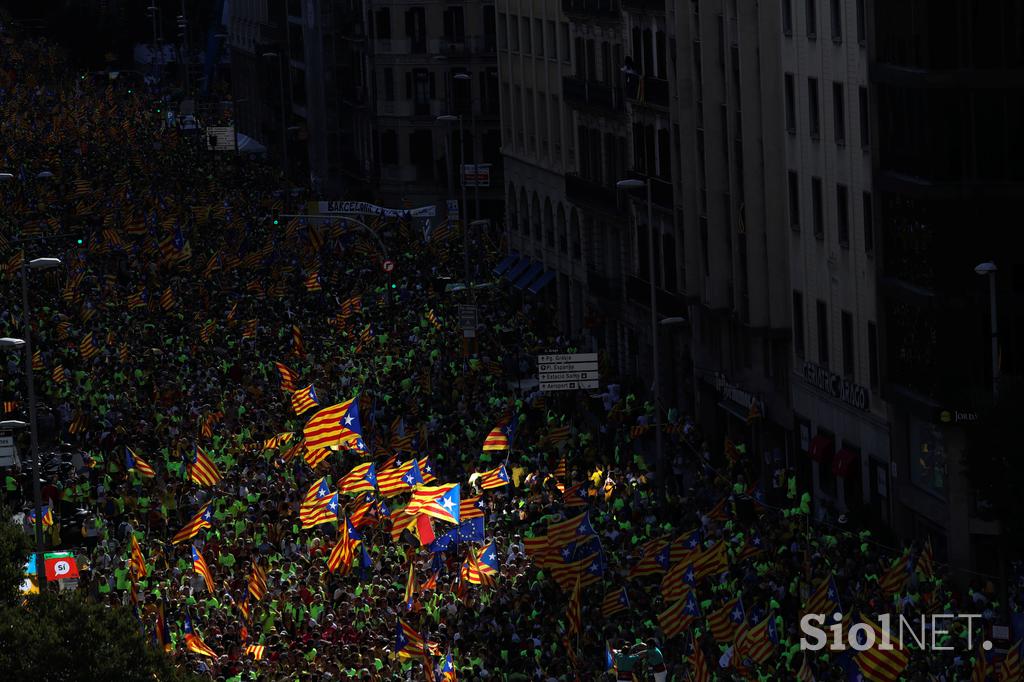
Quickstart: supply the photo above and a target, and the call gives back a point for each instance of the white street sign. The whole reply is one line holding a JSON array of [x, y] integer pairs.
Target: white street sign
[[543, 368], [567, 357], [566, 385], [569, 376]]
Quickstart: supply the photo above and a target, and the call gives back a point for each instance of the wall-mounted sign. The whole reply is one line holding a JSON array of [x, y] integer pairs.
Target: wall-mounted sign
[[836, 386]]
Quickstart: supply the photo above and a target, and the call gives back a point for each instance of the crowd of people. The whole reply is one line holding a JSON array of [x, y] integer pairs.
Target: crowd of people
[[161, 335]]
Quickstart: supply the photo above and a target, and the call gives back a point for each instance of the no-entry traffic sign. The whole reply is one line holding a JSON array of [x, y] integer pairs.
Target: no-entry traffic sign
[[389, 265]]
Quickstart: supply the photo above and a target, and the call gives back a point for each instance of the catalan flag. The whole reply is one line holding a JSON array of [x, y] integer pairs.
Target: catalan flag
[[500, 436], [561, 533], [304, 399], [539, 549], [472, 573], [200, 567], [432, 318], [926, 560], [471, 508], [87, 347], [699, 671], [314, 457], [201, 469], [47, 516], [277, 441], [288, 377], [577, 495], [343, 551], [160, 631], [204, 519], [134, 462], [712, 561], [256, 651], [895, 577], [335, 425], [193, 642], [408, 642], [614, 602], [725, 622], [679, 579], [320, 510], [495, 478], [448, 669], [574, 611], [679, 615], [362, 478], [249, 329], [399, 479], [137, 563], [37, 361], [206, 332], [167, 300], [440, 502], [426, 470], [824, 600], [57, 374], [258, 582], [313, 282], [488, 559], [298, 347], [878, 664]]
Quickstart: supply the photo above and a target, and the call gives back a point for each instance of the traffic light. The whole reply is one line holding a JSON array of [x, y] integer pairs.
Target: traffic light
[[275, 219], [79, 241], [394, 286]]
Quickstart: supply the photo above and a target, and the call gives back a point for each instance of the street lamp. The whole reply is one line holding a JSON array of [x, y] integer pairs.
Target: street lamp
[[6, 176], [284, 117], [7, 342], [988, 268], [626, 185], [466, 78], [34, 264], [12, 424], [449, 118]]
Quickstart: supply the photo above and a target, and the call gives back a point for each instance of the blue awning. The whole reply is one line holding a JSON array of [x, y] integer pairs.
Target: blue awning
[[529, 276], [506, 263], [541, 282], [513, 273]]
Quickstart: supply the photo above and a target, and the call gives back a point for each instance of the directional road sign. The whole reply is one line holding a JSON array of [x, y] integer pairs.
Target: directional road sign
[[567, 371]]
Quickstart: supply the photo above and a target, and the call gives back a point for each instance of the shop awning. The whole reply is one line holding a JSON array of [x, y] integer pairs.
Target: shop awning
[[512, 274], [820, 448], [529, 276], [844, 461], [735, 409], [541, 282], [506, 263]]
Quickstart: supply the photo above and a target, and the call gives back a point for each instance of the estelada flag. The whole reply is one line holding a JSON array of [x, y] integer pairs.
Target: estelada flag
[[201, 468]]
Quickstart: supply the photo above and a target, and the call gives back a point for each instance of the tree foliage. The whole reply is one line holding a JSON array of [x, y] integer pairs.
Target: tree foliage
[[63, 636]]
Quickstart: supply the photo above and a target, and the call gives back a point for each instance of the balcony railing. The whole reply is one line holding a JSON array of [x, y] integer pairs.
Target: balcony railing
[[464, 46], [605, 9], [644, 6], [650, 91], [662, 193], [392, 46], [582, 191], [589, 93]]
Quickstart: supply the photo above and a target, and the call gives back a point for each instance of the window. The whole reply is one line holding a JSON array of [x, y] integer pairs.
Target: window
[[812, 19], [826, 479], [817, 208], [839, 113], [865, 118], [837, 20], [389, 147], [382, 23], [873, 354], [454, 25], [513, 34], [862, 25], [502, 32], [869, 224], [389, 85], [794, 200], [524, 26], [813, 108], [822, 311], [552, 40], [790, 103], [565, 43], [798, 323], [847, 322], [538, 32], [843, 215], [787, 17]]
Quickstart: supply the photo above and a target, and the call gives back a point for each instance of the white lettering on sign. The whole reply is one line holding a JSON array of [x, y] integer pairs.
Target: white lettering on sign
[[566, 385], [363, 208], [567, 367], [567, 357], [836, 386], [567, 376]]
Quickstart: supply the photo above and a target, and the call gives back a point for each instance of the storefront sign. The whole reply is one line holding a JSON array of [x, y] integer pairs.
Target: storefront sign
[[839, 388], [363, 208]]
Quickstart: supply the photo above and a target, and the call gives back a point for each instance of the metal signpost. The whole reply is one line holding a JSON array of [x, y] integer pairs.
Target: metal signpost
[[567, 371], [468, 320]]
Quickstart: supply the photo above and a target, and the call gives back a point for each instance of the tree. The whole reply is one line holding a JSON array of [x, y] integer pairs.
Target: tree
[[65, 636]]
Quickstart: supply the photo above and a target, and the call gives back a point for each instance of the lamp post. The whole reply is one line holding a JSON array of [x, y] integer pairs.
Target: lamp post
[[631, 184], [472, 132], [449, 118], [153, 10], [284, 122], [34, 264], [988, 268]]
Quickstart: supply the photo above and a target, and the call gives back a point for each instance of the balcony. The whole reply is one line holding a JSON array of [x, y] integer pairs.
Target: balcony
[[455, 47], [600, 285], [593, 9], [649, 91], [592, 94], [644, 6], [662, 193], [669, 304], [384, 46], [403, 174], [584, 192]]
